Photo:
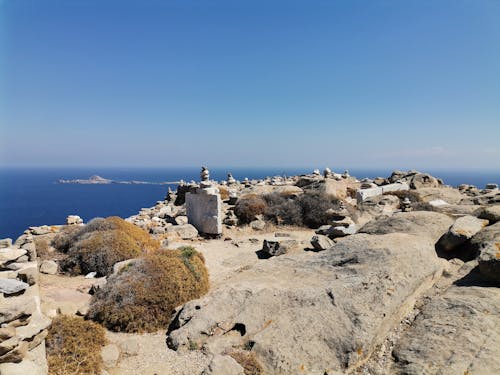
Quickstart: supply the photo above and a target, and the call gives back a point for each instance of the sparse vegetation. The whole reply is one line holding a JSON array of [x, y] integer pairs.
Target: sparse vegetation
[[224, 193], [248, 207], [101, 243], [310, 209], [142, 298], [42, 248], [248, 361], [74, 346]]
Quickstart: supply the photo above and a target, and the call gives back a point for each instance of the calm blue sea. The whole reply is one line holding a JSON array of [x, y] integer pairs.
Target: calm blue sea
[[30, 197]]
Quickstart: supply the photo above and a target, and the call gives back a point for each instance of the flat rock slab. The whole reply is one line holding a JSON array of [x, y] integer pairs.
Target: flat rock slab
[[420, 223], [9, 254], [12, 286], [456, 333], [313, 312]]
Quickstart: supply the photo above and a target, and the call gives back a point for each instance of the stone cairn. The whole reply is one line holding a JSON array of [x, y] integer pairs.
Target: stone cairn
[[23, 327], [204, 206]]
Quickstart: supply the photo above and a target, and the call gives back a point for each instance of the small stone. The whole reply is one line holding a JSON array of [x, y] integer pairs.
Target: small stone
[[258, 224], [130, 346], [276, 248], [320, 242], [12, 286], [5, 242], [186, 231], [181, 220], [49, 267], [74, 220], [91, 275], [82, 310], [110, 354]]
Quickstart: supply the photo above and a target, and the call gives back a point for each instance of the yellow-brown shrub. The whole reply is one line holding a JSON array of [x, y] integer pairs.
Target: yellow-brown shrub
[[74, 346], [224, 193], [143, 296], [102, 243]]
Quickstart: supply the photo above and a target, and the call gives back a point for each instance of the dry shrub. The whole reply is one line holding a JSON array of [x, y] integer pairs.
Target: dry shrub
[[74, 346], [248, 361], [102, 243], [315, 206], [248, 207], [66, 236], [42, 248], [283, 210], [224, 193], [143, 297]]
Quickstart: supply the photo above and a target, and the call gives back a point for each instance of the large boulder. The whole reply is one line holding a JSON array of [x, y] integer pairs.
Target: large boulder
[[487, 244], [447, 194], [462, 230], [319, 313], [420, 223], [456, 333], [492, 214]]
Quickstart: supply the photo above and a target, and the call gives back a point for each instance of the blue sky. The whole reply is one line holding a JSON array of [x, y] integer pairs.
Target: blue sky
[[392, 84]]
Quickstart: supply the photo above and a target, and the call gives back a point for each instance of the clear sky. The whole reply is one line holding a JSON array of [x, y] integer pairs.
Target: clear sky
[[392, 84]]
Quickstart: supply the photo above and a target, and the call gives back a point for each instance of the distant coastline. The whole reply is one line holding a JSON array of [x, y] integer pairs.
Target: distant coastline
[[98, 180]]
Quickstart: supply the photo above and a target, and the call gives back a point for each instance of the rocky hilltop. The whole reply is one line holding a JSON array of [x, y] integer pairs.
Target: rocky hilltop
[[316, 274]]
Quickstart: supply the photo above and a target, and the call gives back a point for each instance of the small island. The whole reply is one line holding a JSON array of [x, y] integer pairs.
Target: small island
[[98, 180]]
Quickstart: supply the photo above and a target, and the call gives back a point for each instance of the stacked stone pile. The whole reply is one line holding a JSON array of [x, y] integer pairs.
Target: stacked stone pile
[[23, 327]]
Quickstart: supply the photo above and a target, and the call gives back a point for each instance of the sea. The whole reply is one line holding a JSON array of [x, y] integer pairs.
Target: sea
[[33, 197]]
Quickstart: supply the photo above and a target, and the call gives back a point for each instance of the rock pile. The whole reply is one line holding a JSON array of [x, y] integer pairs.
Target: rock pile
[[23, 326]]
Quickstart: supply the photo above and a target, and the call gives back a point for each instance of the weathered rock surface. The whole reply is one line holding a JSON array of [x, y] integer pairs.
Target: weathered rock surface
[[492, 214], [487, 244], [223, 365], [447, 194], [456, 333], [462, 230], [420, 223], [319, 313]]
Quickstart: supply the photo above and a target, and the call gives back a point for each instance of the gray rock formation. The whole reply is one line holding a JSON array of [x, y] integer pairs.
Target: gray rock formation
[[419, 223], [323, 312], [463, 229], [456, 333]]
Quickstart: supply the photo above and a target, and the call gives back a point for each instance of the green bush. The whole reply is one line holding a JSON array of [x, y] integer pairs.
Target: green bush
[[144, 296], [102, 243], [74, 346]]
